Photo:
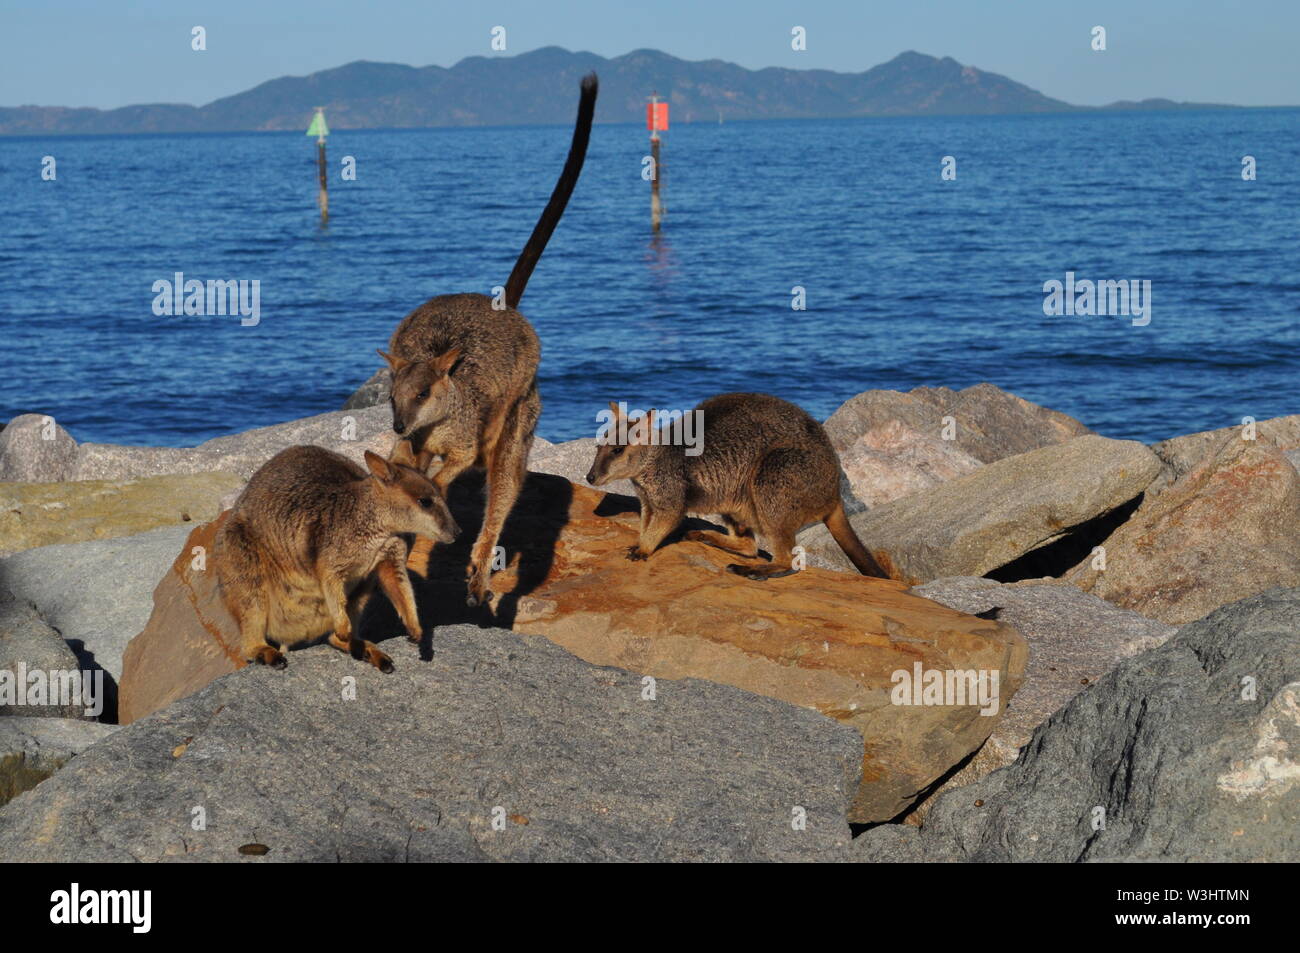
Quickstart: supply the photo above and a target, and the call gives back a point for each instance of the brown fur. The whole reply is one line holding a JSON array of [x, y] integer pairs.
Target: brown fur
[[765, 465], [464, 377], [306, 542]]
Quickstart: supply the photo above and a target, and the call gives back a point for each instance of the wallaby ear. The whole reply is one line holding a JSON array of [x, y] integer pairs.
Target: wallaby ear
[[395, 364], [378, 466], [403, 454], [643, 429], [615, 409], [445, 361]]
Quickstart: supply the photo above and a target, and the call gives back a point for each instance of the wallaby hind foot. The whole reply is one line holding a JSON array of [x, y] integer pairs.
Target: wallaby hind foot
[[266, 655], [361, 650], [759, 573]]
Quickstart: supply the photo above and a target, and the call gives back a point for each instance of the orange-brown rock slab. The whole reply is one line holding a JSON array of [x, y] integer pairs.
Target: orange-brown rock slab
[[190, 638], [818, 639]]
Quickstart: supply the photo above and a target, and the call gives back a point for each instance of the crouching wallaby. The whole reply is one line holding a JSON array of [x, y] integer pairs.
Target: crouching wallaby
[[764, 464], [300, 552], [464, 375]]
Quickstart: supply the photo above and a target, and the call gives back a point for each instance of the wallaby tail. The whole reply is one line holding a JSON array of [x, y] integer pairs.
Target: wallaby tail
[[843, 534], [523, 269]]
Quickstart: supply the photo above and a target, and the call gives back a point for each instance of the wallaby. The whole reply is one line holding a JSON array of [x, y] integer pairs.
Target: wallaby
[[300, 552], [764, 464], [464, 375]]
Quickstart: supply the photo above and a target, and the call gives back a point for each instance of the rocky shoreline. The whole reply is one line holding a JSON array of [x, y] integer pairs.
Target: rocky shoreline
[[1138, 605]]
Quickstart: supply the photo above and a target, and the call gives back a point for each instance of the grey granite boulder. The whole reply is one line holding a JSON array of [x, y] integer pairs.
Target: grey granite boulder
[[27, 646], [986, 422], [987, 519], [1181, 455], [1074, 639], [372, 393], [97, 594], [32, 749], [501, 747], [34, 448], [571, 460], [350, 433], [1188, 752], [1227, 529]]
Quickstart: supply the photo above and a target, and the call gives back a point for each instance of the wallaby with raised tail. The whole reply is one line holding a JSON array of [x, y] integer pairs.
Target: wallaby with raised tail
[[464, 376], [764, 465], [304, 545]]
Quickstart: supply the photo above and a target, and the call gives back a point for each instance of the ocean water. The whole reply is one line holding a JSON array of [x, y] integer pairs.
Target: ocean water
[[909, 279]]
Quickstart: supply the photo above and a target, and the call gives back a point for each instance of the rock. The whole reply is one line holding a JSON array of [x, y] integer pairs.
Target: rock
[[372, 393], [1228, 529], [1294, 457], [41, 514], [32, 749], [892, 461], [96, 594], [571, 460], [1181, 455], [989, 423], [28, 645], [350, 433], [997, 514], [34, 447], [571, 758], [817, 639], [1181, 765], [1074, 639]]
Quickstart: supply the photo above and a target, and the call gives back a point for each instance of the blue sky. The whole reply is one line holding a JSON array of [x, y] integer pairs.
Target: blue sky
[[106, 54]]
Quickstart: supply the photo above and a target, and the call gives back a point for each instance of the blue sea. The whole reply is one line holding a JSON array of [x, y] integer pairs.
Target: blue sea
[[908, 279]]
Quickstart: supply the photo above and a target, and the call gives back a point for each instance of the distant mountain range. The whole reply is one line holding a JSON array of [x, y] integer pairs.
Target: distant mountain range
[[540, 88]]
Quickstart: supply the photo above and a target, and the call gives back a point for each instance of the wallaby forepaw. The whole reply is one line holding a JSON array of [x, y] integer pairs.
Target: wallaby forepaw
[[384, 664], [635, 555]]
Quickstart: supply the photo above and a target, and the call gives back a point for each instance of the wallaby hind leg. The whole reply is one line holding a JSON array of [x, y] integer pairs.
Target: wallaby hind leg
[[506, 471], [344, 636], [738, 539], [252, 617], [243, 592], [780, 540], [778, 489]]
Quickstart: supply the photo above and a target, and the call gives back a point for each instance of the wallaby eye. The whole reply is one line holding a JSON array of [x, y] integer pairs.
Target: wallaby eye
[[423, 395], [426, 502], [617, 449]]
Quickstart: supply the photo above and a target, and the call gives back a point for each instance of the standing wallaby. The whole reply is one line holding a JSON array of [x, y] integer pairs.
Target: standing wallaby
[[764, 464], [464, 375], [299, 554]]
